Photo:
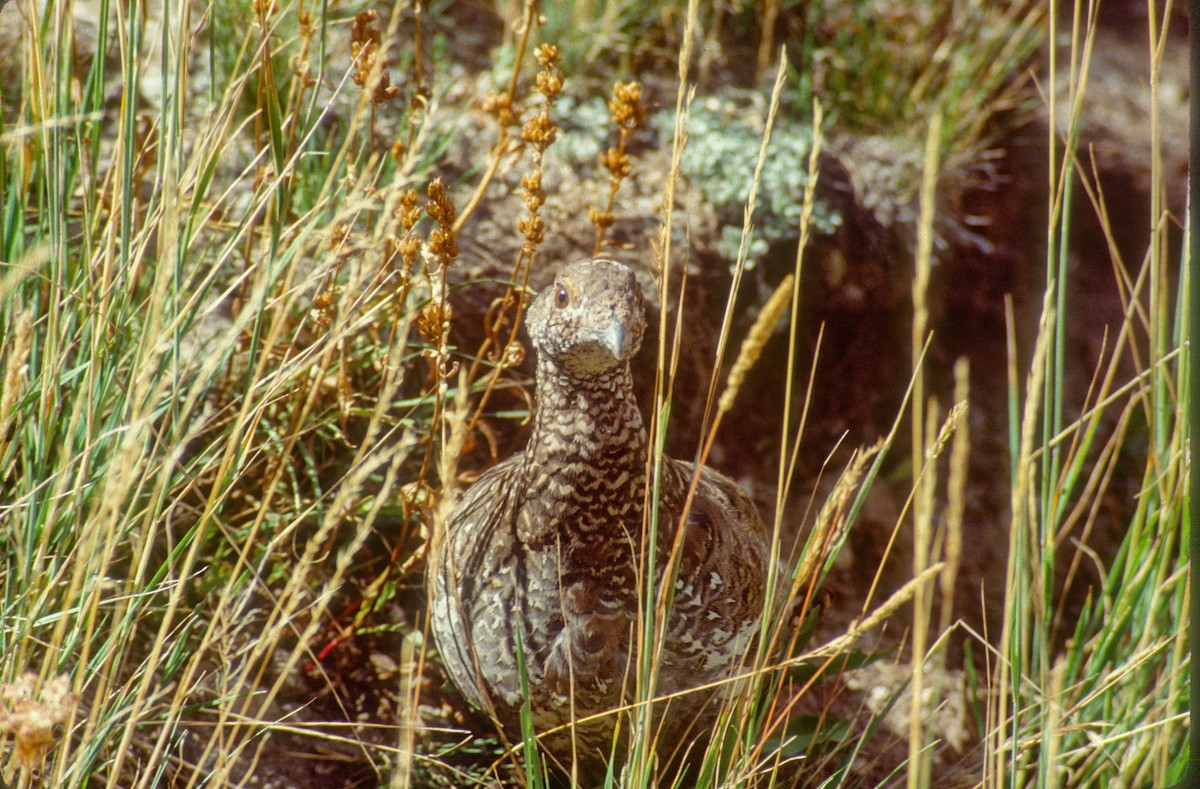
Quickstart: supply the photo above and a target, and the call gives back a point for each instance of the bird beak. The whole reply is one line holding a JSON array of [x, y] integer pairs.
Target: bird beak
[[615, 339]]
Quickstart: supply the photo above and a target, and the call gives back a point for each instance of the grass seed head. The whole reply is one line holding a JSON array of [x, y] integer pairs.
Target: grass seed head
[[753, 345], [16, 364]]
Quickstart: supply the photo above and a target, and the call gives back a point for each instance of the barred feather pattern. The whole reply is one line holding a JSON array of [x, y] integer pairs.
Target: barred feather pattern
[[542, 556]]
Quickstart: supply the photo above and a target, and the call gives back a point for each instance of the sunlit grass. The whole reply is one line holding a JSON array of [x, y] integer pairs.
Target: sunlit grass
[[226, 356]]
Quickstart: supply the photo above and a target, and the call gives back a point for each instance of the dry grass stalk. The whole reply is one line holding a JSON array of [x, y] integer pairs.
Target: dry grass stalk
[[1022, 535], [923, 444], [960, 451], [627, 113], [640, 770], [16, 373], [831, 525], [740, 266], [860, 627]]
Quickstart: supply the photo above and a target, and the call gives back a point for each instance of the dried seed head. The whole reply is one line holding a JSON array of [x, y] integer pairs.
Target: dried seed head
[[616, 161], [601, 219], [531, 184], [410, 251], [433, 321], [364, 47], [549, 84], [409, 210], [363, 30], [753, 345], [499, 106], [361, 54], [549, 81], [322, 309], [948, 427], [439, 207], [16, 369], [626, 106], [540, 131], [547, 56], [364, 39], [263, 9], [29, 714], [443, 245], [533, 228], [338, 234], [384, 91]]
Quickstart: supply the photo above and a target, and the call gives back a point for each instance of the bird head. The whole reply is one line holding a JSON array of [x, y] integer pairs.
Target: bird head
[[590, 319]]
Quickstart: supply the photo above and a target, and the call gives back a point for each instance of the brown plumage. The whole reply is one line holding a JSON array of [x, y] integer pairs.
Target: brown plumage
[[546, 546]]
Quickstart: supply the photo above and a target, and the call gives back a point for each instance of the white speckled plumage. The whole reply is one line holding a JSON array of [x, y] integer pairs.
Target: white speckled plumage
[[546, 546]]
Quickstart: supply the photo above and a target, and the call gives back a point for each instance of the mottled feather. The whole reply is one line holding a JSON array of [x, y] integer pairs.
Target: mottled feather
[[546, 546]]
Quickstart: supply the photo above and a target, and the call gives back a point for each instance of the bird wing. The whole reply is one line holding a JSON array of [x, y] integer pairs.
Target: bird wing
[[720, 588], [468, 558]]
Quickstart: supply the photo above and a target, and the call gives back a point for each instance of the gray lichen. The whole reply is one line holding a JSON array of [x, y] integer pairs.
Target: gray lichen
[[724, 139]]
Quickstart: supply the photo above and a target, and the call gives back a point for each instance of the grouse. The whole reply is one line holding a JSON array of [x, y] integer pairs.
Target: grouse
[[535, 579]]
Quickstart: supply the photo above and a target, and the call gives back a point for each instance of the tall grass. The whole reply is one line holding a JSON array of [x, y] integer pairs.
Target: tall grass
[[225, 354], [187, 314], [1109, 707]]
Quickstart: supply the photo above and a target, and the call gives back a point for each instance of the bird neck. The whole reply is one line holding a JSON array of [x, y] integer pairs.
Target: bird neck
[[588, 446], [594, 419]]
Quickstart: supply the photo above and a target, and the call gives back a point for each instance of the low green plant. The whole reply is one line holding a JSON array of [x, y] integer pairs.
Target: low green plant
[[1109, 707]]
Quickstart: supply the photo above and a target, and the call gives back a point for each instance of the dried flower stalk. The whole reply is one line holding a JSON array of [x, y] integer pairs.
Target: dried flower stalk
[[627, 113], [539, 132]]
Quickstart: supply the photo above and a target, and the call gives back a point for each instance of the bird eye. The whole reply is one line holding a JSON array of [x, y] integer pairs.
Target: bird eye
[[561, 296]]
